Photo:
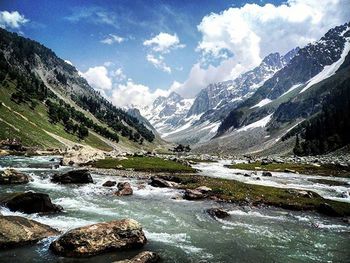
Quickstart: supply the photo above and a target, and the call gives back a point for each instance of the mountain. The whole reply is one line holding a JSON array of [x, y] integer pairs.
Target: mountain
[[295, 94], [167, 113], [213, 103], [46, 103]]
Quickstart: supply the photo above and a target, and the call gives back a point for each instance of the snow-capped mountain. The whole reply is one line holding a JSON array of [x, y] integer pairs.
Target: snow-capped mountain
[[215, 101], [167, 113], [285, 104]]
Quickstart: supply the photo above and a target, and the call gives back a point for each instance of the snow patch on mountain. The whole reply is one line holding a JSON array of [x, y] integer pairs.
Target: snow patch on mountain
[[328, 70], [261, 103]]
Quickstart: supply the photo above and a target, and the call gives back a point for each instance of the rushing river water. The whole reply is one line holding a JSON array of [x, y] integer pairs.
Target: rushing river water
[[179, 230]]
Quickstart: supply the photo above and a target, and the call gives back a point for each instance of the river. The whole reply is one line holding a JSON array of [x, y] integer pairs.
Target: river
[[180, 230]]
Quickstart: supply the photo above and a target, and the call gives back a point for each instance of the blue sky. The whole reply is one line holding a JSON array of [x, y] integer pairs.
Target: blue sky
[[118, 39]]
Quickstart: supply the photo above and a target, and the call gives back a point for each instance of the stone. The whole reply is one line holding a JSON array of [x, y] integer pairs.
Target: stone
[[143, 257], [218, 212], [289, 171], [124, 188], [11, 176], [158, 182], [73, 177], [327, 210], [109, 183], [16, 231], [98, 238], [247, 175], [266, 174], [266, 162], [29, 202], [204, 189], [193, 194]]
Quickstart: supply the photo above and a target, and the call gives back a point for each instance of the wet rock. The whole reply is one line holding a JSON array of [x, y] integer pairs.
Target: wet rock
[[247, 175], [98, 238], [327, 210], [73, 177], [158, 182], [29, 202], [218, 212], [18, 231], [266, 174], [124, 188], [204, 189], [143, 257], [193, 195], [11, 176], [109, 183]]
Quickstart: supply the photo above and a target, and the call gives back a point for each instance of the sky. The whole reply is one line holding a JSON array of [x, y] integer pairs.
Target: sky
[[133, 51]]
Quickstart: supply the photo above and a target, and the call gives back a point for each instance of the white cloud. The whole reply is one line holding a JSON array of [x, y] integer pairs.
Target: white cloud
[[134, 94], [98, 78], [251, 32], [118, 74], [111, 39], [163, 42], [158, 62], [13, 20]]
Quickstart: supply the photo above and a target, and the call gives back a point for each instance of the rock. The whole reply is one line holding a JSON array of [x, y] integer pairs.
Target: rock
[[158, 182], [204, 189], [18, 231], [247, 175], [289, 171], [29, 203], [109, 183], [193, 195], [98, 238], [124, 188], [266, 174], [73, 177], [119, 166], [11, 176], [218, 212], [308, 194], [327, 210], [266, 162], [143, 257]]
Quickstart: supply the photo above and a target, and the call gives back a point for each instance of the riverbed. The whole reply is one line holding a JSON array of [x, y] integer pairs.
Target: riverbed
[[180, 230]]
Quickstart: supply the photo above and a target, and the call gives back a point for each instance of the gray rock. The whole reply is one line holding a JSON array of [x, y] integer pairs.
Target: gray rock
[[73, 177], [143, 257], [98, 238], [16, 231], [11, 176]]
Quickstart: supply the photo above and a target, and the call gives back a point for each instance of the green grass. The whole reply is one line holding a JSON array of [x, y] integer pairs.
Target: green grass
[[325, 170], [31, 132], [239, 192], [146, 164]]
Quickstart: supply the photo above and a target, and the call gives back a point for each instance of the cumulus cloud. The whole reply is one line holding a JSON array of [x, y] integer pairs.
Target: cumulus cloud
[[12, 20], [158, 62], [118, 74], [163, 42], [240, 37], [98, 78], [111, 39], [136, 94]]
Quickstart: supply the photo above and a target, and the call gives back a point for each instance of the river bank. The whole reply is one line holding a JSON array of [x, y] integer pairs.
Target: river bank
[[179, 230]]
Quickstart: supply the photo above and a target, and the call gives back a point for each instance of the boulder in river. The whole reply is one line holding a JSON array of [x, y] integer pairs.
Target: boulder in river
[[218, 212], [18, 231], [124, 188], [98, 238], [109, 183], [204, 189], [191, 194], [158, 182], [143, 257], [29, 202], [327, 210], [11, 176], [266, 174], [82, 176]]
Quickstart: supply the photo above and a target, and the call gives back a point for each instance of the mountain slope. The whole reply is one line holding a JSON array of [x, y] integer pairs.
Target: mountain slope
[[47, 93]]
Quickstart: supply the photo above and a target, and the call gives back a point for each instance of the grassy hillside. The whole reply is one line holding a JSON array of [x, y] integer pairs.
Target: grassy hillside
[[33, 126]]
